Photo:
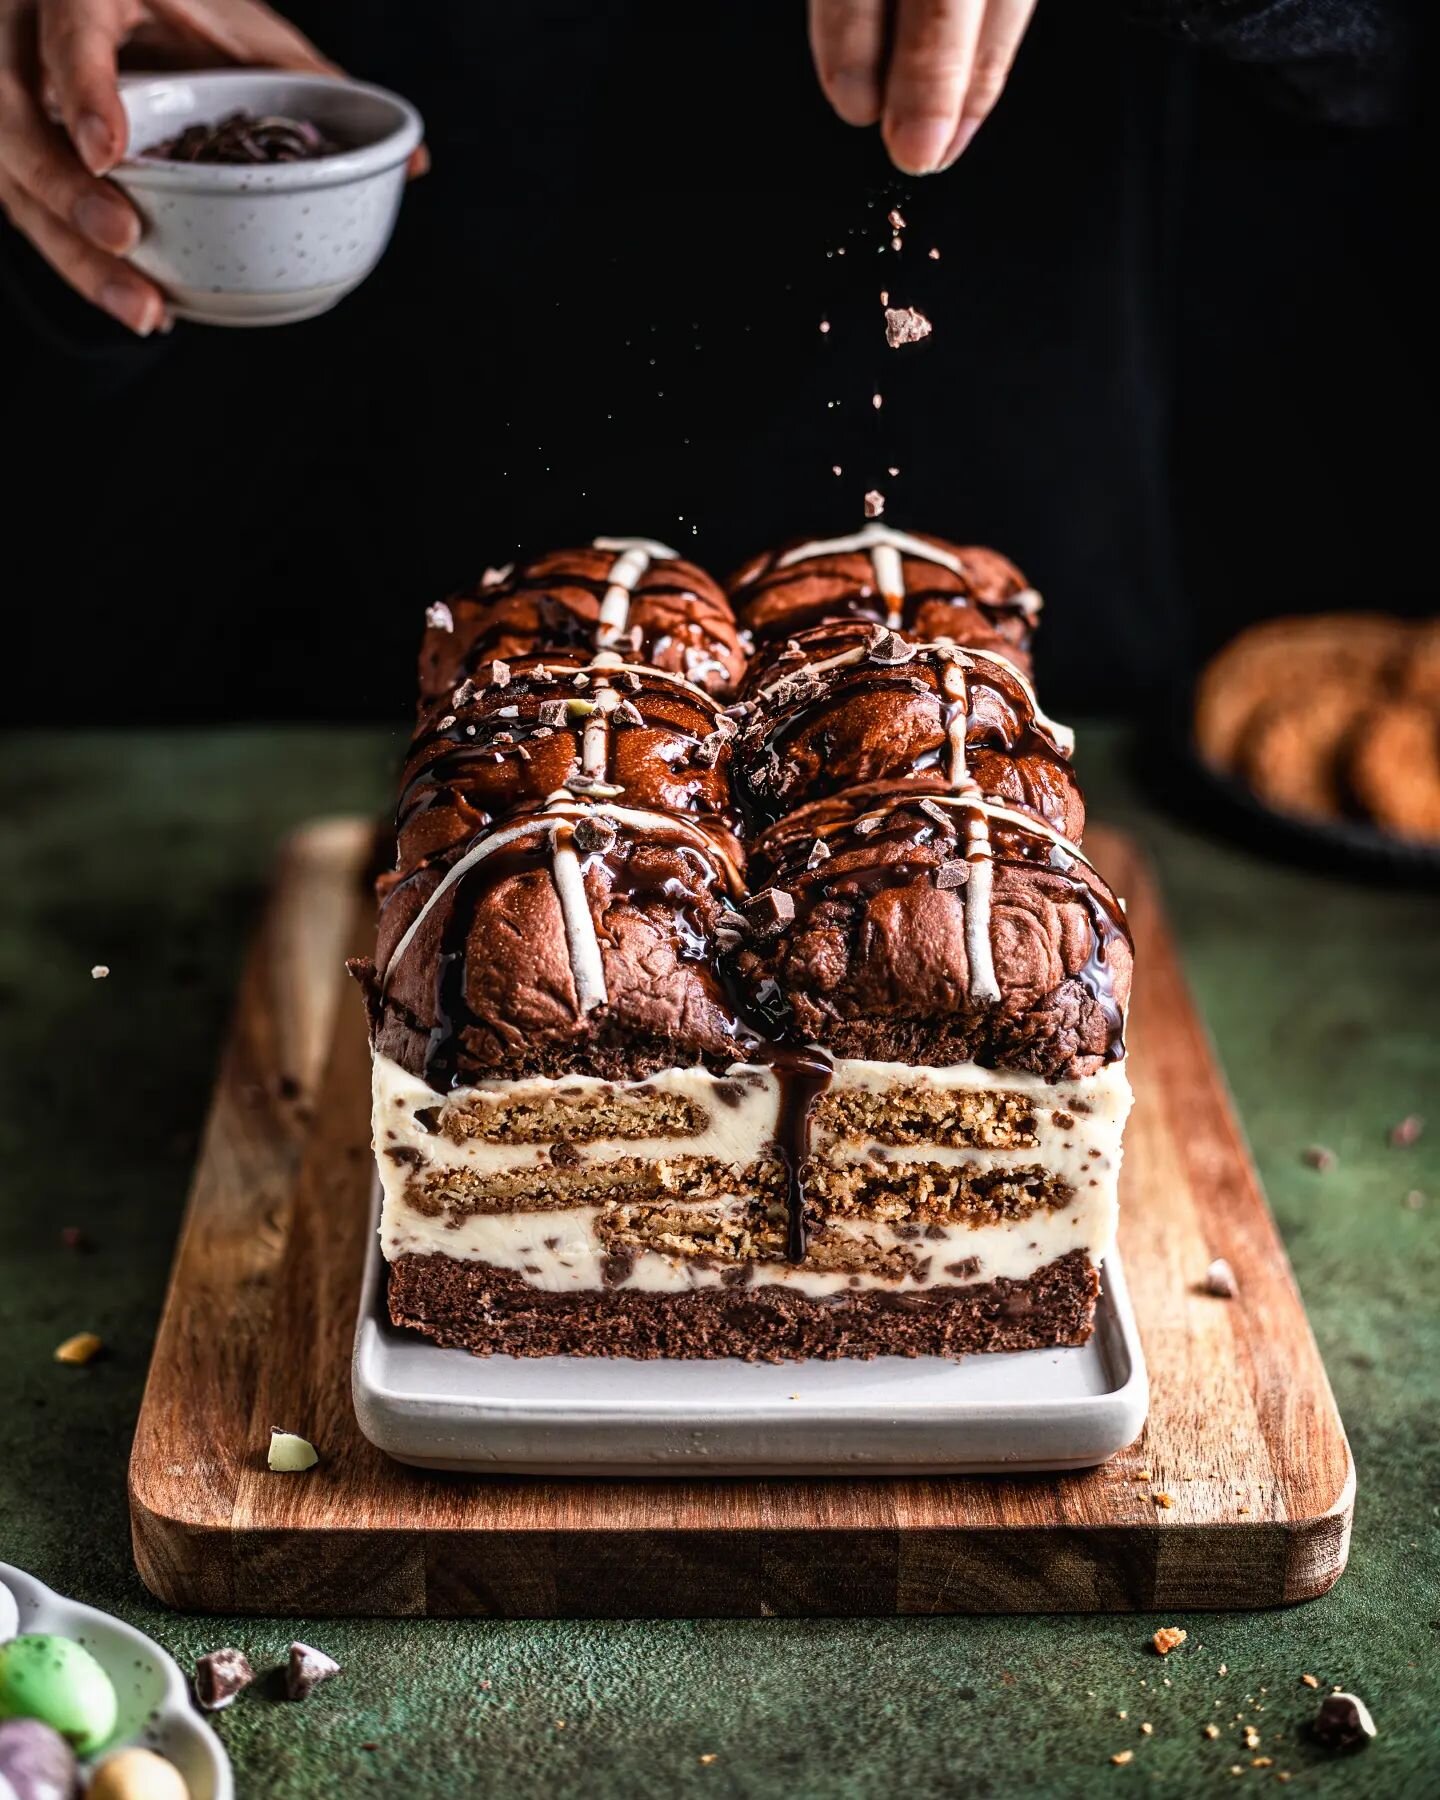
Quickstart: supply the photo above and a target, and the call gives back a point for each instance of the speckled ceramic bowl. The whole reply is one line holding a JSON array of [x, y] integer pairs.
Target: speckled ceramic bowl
[[267, 244]]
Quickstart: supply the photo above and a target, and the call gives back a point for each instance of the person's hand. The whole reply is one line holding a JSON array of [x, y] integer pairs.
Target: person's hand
[[929, 70], [62, 126]]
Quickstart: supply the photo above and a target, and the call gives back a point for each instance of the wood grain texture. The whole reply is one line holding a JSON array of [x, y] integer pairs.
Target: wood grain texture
[[257, 1328]]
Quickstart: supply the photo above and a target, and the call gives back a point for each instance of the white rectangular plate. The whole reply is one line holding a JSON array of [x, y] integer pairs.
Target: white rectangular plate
[[1024, 1411]]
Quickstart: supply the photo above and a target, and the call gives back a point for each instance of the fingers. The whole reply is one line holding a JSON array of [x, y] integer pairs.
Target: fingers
[[1000, 34], [929, 72], [246, 32], [104, 280], [79, 42], [847, 40]]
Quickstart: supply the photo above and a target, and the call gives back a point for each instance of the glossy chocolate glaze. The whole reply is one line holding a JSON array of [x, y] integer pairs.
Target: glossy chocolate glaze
[[849, 704], [677, 620]]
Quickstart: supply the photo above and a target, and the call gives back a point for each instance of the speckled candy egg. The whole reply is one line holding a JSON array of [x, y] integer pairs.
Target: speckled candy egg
[[137, 1775], [59, 1682], [36, 1763]]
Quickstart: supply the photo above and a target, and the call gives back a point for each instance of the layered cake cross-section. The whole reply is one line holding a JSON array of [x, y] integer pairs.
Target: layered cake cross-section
[[741, 988]]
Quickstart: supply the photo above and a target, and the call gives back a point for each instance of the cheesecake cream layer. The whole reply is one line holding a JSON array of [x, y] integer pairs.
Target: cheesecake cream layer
[[567, 1251], [437, 1156]]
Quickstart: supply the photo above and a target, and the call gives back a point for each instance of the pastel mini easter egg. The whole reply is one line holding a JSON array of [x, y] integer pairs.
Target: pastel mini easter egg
[[137, 1775], [59, 1682], [36, 1763]]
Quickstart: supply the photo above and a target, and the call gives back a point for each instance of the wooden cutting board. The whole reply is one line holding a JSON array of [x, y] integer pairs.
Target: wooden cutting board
[[1243, 1433]]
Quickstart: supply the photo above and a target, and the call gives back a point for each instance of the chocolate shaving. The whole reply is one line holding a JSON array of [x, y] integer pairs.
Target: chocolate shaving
[[952, 874], [241, 137], [628, 713], [554, 712], [933, 810]]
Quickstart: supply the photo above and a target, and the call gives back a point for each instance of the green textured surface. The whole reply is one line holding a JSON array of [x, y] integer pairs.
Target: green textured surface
[[149, 853]]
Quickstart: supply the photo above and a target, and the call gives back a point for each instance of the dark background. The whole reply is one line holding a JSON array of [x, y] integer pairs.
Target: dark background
[[1174, 370]]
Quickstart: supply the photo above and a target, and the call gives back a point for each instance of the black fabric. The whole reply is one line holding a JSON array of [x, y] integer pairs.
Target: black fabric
[[601, 315]]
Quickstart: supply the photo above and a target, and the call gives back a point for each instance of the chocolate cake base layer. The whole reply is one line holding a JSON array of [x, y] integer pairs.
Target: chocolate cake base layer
[[476, 1307]]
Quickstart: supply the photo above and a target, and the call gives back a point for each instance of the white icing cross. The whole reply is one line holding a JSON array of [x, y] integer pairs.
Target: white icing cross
[[634, 557], [885, 547]]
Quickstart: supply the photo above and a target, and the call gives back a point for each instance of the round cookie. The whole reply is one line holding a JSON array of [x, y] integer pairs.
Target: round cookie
[[59, 1682], [1293, 757], [1272, 662], [1393, 768], [1419, 670]]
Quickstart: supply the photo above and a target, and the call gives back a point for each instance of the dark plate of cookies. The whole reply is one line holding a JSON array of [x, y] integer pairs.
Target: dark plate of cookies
[[1329, 726]]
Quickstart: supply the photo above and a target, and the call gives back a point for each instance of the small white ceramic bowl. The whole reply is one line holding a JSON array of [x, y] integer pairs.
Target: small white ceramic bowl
[[270, 243]]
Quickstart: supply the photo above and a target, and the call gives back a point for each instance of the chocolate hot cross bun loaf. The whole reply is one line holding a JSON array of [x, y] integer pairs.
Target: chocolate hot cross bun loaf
[[793, 1028]]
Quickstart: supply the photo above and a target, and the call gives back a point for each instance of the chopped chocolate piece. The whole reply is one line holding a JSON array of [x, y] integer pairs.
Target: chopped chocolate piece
[[905, 325], [1407, 1132], [439, 617], [770, 911], [593, 834], [221, 1676], [499, 673], [73, 1238], [889, 648], [628, 713], [874, 503], [555, 712], [819, 853], [863, 827], [565, 1156], [952, 874], [306, 1669], [464, 694], [933, 810], [100, 971], [1220, 1280], [896, 218], [84, 1347], [1343, 1722], [1168, 1638], [1318, 1157]]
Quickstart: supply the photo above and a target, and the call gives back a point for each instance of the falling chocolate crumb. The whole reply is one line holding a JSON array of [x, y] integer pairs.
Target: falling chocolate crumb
[[1311, 1681], [896, 218], [1212, 1731], [306, 1669], [1220, 1280], [1168, 1638], [220, 1676], [770, 911], [1406, 1133], [952, 874], [835, 469], [1318, 1157], [1121, 1757], [934, 255], [439, 617], [824, 325], [905, 325], [877, 401], [1343, 1722], [84, 1347], [1165, 1500]]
